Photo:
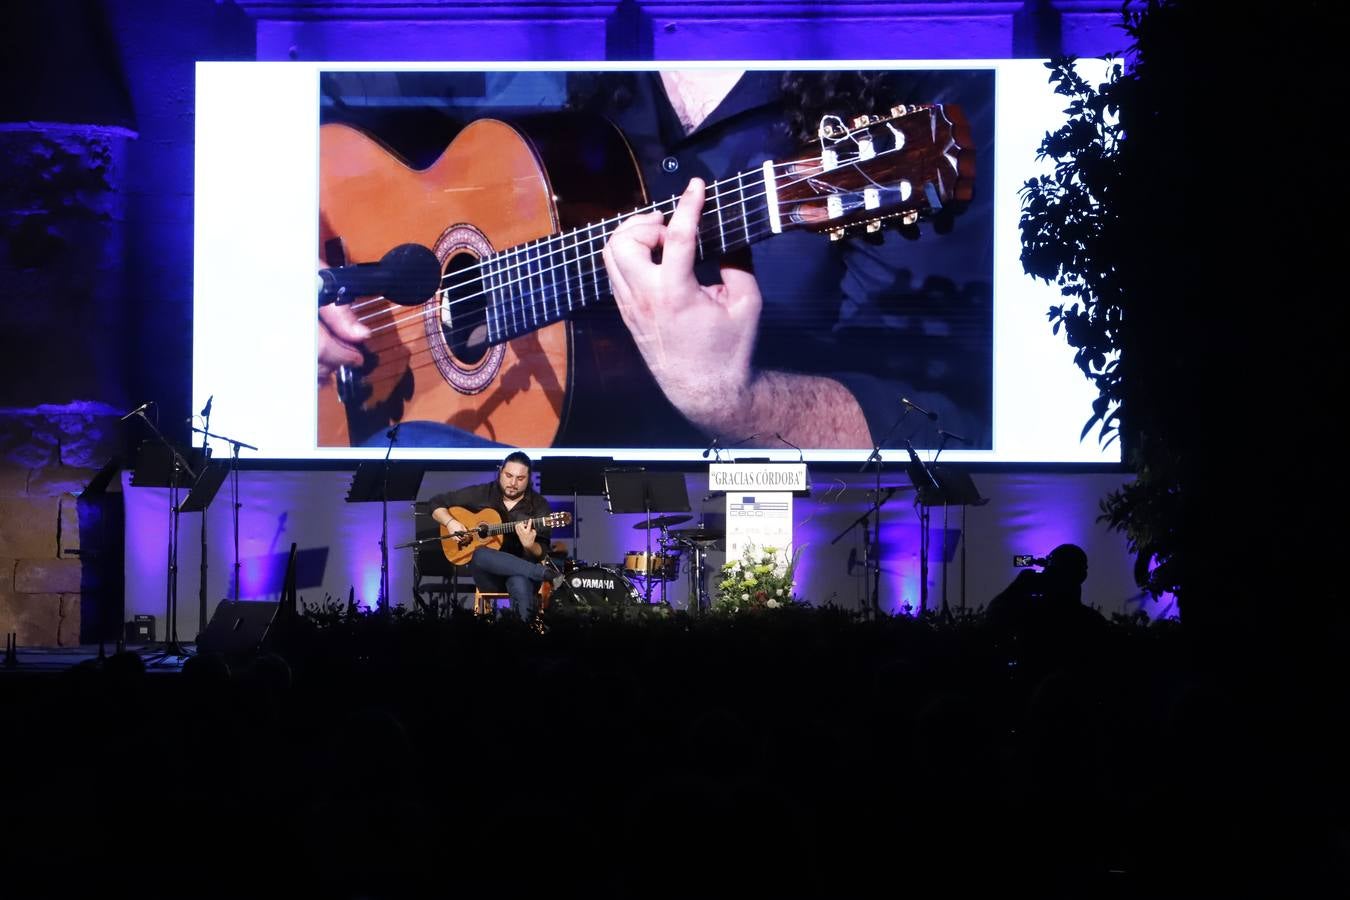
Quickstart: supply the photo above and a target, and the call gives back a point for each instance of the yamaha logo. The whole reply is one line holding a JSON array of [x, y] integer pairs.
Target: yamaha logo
[[606, 584]]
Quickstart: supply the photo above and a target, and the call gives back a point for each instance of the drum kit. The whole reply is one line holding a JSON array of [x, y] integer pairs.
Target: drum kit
[[644, 572]]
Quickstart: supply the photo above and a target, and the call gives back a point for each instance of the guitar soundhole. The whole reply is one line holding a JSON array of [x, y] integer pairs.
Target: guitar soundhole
[[456, 327], [465, 328]]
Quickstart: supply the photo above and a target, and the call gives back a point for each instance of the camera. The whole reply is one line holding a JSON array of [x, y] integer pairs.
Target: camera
[[1027, 561]]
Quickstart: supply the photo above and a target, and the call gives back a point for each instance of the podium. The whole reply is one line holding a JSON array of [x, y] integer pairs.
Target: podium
[[758, 502]]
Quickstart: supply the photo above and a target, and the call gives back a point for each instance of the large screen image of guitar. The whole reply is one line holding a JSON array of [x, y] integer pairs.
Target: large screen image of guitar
[[463, 221], [621, 260]]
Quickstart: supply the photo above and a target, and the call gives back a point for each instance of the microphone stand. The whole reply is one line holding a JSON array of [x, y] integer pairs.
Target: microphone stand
[[946, 611], [929, 483], [382, 603], [201, 584], [234, 493], [874, 605], [171, 646]]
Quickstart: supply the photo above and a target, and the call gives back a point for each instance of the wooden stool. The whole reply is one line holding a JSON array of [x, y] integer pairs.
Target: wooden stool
[[485, 602]]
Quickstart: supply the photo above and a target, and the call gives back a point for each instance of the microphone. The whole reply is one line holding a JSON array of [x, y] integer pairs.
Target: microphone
[[407, 275], [955, 437], [206, 410], [919, 409], [801, 457], [392, 433], [138, 410], [745, 440]]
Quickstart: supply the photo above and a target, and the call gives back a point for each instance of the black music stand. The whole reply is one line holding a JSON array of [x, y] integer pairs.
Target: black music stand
[[578, 476], [636, 490], [429, 559], [945, 487], [102, 505], [382, 481], [209, 479], [159, 464]]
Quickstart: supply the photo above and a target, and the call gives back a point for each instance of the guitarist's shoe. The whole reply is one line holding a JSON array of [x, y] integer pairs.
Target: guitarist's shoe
[[556, 577]]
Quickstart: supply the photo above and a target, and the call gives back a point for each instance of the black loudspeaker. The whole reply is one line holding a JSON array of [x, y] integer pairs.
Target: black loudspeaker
[[141, 630], [238, 627]]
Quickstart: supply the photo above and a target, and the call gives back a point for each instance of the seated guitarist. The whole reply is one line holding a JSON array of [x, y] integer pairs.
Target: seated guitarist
[[522, 564]]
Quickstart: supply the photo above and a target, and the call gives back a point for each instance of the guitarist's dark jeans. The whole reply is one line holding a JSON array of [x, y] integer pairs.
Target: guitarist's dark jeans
[[494, 570]]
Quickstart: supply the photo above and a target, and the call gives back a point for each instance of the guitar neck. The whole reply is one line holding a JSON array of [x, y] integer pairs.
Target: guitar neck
[[546, 280], [505, 527], [904, 165]]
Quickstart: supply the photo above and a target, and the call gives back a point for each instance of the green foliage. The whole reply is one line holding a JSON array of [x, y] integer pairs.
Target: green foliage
[[1105, 226]]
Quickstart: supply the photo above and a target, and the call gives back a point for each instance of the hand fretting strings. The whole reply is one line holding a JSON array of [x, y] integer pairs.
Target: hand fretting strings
[[550, 245], [519, 312]]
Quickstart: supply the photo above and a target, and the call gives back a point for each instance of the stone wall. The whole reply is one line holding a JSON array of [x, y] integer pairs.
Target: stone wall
[[61, 286]]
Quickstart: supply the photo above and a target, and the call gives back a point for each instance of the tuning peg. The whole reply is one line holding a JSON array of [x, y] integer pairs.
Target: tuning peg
[[836, 234], [874, 226], [909, 217], [897, 111], [862, 121]]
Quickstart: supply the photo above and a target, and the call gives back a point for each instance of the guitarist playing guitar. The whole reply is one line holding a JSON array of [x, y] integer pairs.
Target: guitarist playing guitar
[[520, 563]]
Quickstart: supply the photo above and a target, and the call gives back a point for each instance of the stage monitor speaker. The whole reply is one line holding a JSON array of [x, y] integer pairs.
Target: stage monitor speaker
[[238, 627], [141, 630]]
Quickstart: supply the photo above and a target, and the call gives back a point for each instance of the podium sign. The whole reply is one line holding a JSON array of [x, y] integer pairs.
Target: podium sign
[[758, 503], [757, 477]]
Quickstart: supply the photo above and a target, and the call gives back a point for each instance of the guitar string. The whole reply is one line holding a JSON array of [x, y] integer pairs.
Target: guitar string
[[419, 349], [845, 135], [531, 297], [716, 194], [527, 304], [527, 301], [521, 259], [528, 298]]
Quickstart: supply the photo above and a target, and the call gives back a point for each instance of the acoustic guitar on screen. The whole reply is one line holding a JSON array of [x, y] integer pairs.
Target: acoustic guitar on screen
[[517, 215], [485, 528]]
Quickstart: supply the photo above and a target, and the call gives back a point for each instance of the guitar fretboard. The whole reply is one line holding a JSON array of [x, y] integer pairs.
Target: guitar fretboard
[[485, 528], [544, 281]]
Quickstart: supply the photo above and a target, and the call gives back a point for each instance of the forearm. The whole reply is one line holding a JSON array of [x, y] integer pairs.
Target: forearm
[[808, 410]]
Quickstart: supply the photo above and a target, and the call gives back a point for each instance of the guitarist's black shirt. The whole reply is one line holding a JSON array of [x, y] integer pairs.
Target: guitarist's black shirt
[[489, 496]]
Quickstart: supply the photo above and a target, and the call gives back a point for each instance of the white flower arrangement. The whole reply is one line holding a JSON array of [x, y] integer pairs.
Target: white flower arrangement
[[760, 579]]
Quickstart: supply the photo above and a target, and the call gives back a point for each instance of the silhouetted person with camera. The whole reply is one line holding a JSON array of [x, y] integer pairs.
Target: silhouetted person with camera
[[1051, 598]]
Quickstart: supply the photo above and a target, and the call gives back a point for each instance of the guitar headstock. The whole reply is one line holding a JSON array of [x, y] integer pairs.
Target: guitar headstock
[[558, 520], [905, 166]]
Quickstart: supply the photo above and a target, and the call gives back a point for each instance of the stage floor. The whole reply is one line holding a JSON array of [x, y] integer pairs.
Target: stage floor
[[56, 659]]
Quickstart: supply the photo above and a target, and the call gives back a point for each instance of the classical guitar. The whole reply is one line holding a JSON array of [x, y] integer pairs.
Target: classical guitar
[[518, 213], [485, 528]]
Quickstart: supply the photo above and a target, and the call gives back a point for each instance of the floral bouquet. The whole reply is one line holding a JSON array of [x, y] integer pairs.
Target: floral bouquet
[[760, 579]]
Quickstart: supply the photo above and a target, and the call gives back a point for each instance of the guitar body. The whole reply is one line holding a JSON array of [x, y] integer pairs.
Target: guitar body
[[496, 186], [485, 528], [458, 553]]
